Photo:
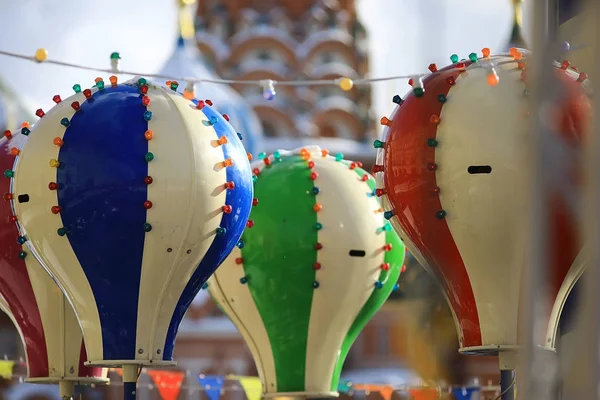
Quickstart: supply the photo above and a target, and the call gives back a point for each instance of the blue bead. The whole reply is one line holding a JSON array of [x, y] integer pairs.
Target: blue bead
[[316, 190], [221, 231], [315, 284], [240, 136], [388, 214], [147, 227], [65, 122], [22, 255], [213, 120], [240, 244], [244, 280], [397, 99], [205, 286], [396, 287], [21, 239], [61, 231], [148, 115], [25, 131], [378, 284]]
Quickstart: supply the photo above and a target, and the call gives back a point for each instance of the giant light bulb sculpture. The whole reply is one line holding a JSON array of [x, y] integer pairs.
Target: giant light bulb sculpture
[[452, 171], [49, 330], [131, 196], [318, 261]]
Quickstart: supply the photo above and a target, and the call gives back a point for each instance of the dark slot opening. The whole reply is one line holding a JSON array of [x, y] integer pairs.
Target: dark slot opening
[[479, 169], [357, 253], [23, 198]]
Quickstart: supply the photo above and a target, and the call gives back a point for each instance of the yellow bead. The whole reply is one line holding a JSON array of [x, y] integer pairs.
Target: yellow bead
[[346, 84], [54, 163], [41, 55]]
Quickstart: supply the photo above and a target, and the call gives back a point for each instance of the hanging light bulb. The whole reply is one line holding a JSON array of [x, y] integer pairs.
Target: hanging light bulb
[[492, 75], [268, 87], [188, 92], [417, 85], [114, 62]]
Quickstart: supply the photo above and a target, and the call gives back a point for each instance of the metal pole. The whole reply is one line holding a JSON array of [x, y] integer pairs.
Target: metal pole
[[130, 377]]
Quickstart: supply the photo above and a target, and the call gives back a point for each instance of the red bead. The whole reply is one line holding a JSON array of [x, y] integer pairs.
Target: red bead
[[7, 134], [317, 265], [360, 165], [13, 218], [379, 192], [227, 209], [148, 180], [40, 113], [144, 89], [582, 77], [403, 268], [226, 117], [377, 168], [8, 196], [210, 103], [145, 100], [365, 177], [147, 204], [450, 81], [75, 105], [411, 81], [254, 202], [385, 266], [460, 66], [230, 185], [250, 223], [387, 247], [267, 161], [256, 171], [200, 105], [436, 189], [314, 175], [565, 64], [87, 93], [55, 209], [353, 165], [318, 246], [56, 99], [311, 164], [432, 67], [53, 186], [431, 166], [239, 260]]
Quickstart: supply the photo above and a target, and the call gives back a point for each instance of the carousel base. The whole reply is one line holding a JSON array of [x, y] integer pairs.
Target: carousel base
[[300, 395], [140, 363], [75, 379], [494, 350]]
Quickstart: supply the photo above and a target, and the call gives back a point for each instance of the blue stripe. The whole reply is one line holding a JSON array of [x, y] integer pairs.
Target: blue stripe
[[101, 193], [240, 200], [569, 312]]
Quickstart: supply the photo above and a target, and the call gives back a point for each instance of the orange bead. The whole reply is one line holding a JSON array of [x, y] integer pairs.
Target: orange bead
[[267, 161], [324, 153], [98, 79], [113, 80], [303, 151], [385, 121], [149, 134], [512, 51], [223, 140], [228, 162], [14, 151], [518, 56], [168, 83], [521, 65], [25, 125], [485, 52], [306, 157], [317, 207], [58, 141], [249, 156], [379, 210], [492, 79], [434, 119]]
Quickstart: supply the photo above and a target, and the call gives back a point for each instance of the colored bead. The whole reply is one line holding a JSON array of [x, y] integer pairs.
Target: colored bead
[[147, 227], [431, 166], [100, 84], [55, 209], [142, 81], [432, 67], [396, 287], [324, 153], [148, 134], [239, 260], [441, 98], [200, 105], [145, 100], [204, 286], [318, 226], [339, 157], [244, 280], [75, 105], [40, 113], [378, 144], [379, 285], [58, 141], [454, 58], [22, 255], [397, 99], [377, 168], [222, 140], [388, 214], [432, 142], [230, 185], [473, 57], [365, 177], [53, 186], [65, 122], [174, 85], [314, 175], [61, 231], [149, 156], [451, 81], [13, 218], [352, 166], [403, 269], [87, 93], [7, 134], [379, 192], [56, 99], [144, 89], [460, 66], [385, 266], [434, 119], [113, 80], [249, 224], [9, 173], [440, 214], [418, 92], [15, 151], [54, 163], [318, 246], [240, 136], [21, 239], [226, 117], [254, 202], [436, 189], [221, 231], [267, 161], [387, 247], [346, 84], [565, 65], [227, 209], [315, 285], [77, 88], [582, 77], [148, 115], [385, 121], [213, 120], [486, 52], [8, 196], [148, 180], [228, 162], [317, 207], [147, 204], [240, 244], [317, 266], [311, 164]]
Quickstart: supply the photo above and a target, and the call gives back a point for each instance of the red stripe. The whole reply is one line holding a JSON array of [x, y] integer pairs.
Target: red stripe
[[410, 189], [87, 371], [14, 281]]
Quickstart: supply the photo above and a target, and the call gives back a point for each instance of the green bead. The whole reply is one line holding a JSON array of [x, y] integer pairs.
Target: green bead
[[378, 144], [432, 142], [387, 227], [100, 85], [254, 178], [454, 58], [418, 92], [22, 255], [473, 57], [65, 122], [115, 56], [174, 85], [149, 156], [441, 98], [277, 155], [147, 227], [315, 285], [61, 231], [9, 173], [261, 156], [318, 226], [221, 231], [77, 88], [339, 157], [142, 81]]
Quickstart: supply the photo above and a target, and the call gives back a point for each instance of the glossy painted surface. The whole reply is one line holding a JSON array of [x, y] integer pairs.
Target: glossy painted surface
[[51, 335], [477, 245], [294, 291], [136, 250]]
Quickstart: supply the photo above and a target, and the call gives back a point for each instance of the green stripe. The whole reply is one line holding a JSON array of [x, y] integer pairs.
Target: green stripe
[[279, 255], [396, 259]]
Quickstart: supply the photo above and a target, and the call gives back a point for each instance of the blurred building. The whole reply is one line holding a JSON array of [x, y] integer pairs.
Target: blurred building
[[295, 40]]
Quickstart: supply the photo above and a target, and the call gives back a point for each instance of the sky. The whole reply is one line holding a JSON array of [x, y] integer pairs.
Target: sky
[[405, 37]]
